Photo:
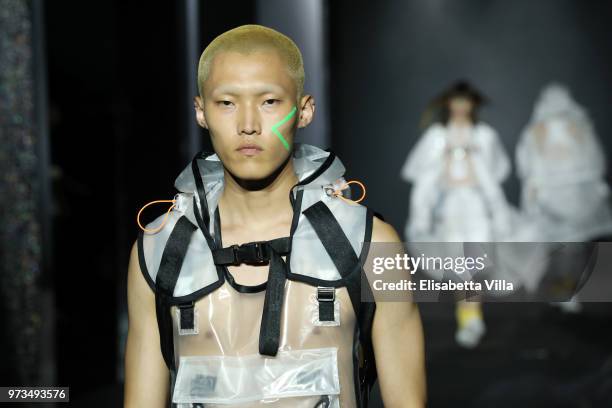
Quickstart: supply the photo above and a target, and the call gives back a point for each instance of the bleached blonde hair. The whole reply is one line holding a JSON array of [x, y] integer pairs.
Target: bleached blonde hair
[[251, 38]]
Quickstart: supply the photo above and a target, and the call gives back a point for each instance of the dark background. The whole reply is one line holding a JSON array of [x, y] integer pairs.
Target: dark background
[[389, 60], [114, 84], [116, 127]]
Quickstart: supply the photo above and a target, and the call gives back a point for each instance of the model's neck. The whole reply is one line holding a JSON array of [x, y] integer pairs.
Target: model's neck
[[241, 205], [460, 121]]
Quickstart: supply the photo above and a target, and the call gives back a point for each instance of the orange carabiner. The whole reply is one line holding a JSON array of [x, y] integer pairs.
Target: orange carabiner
[[165, 218], [338, 192]]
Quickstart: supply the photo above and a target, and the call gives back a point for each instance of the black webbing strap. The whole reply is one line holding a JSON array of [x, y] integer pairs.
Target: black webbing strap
[[326, 297], [337, 246], [269, 331], [259, 252], [195, 169], [187, 316], [165, 281], [346, 261], [367, 372]]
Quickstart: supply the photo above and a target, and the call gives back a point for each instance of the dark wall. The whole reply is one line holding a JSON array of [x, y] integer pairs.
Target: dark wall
[[111, 74], [390, 57], [115, 133]]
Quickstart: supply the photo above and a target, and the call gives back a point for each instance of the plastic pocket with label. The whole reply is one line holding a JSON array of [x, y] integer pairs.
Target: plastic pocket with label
[[296, 378]]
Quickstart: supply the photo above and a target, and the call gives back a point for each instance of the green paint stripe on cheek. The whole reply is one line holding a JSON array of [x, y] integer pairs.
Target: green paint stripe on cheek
[[284, 120]]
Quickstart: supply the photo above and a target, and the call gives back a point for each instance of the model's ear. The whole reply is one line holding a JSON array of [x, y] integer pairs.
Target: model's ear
[[307, 108], [198, 105]]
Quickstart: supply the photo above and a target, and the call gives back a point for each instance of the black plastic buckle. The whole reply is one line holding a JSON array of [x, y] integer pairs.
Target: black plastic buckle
[[259, 251], [252, 252], [235, 251]]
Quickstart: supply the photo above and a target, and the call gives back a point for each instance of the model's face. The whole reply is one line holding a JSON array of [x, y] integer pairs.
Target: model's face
[[245, 96], [460, 107]]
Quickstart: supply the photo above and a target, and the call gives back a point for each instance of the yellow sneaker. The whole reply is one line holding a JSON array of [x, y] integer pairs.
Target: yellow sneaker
[[470, 324]]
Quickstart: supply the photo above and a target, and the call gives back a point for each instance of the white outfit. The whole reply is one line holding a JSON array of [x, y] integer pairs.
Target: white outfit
[[457, 197], [456, 194], [561, 165]]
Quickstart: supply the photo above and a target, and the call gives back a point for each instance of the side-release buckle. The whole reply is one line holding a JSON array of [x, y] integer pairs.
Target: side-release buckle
[[252, 252], [236, 256], [260, 251]]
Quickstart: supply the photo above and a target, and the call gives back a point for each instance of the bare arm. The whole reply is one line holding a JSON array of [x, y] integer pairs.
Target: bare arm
[[397, 336], [146, 374]]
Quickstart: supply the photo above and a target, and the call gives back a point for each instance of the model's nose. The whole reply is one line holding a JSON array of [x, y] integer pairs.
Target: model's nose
[[249, 122]]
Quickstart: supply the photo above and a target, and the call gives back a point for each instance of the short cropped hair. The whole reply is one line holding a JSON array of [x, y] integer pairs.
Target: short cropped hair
[[251, 38]]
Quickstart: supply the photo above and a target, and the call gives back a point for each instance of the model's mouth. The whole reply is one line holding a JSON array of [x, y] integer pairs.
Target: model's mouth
[[250, 149]]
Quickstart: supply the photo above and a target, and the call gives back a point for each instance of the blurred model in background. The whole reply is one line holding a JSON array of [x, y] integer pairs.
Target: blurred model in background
[[562, 167], [456, 169]]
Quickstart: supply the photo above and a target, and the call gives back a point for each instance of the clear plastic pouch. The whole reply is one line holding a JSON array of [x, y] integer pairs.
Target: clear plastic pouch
[[296, 378]]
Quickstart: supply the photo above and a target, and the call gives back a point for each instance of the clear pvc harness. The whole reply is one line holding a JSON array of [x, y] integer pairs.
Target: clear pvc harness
[[229, 324], [218, 361]]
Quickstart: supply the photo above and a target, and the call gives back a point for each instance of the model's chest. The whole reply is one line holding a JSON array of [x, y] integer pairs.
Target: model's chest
[[229, 322]]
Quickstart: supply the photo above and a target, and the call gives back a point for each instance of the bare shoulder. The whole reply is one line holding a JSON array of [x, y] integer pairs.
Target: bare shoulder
[[133, 256], [141, 297], [136, 280], [383, 232]]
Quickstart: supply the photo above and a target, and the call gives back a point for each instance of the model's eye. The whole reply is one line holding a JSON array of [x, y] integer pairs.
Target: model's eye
[[225, 103], [271, 102]]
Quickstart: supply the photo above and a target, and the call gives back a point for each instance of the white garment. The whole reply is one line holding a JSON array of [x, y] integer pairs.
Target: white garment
[[444, 209], [561, 166], [464, 216], [474, 210]]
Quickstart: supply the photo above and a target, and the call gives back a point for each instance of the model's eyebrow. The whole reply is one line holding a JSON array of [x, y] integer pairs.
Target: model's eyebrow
[[255, 89]]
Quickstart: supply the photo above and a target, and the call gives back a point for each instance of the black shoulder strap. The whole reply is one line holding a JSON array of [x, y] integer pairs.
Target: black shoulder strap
[[348, 264], [337, 246], [201, 191], [165, 281], [367, 372]]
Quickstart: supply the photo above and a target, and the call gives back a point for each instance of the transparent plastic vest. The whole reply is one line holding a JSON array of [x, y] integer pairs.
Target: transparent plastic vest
[[215, 358]]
